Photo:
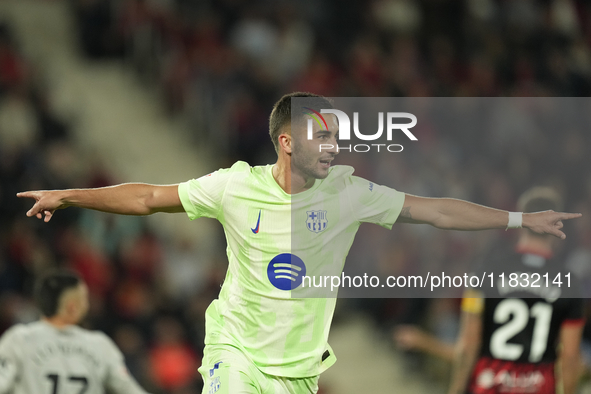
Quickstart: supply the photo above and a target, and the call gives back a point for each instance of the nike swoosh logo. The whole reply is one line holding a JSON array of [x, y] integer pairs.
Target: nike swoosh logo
[[256, 229]]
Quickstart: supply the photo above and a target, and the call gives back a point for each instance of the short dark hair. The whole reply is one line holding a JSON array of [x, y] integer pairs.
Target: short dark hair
[[540, 198], [50, 287], [281, 114]]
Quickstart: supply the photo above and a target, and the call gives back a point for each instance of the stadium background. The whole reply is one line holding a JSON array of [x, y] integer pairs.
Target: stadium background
[[97, 92]]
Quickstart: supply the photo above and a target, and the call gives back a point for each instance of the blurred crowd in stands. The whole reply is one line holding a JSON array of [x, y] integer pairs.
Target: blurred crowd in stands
[[221, 64], [150, 296]]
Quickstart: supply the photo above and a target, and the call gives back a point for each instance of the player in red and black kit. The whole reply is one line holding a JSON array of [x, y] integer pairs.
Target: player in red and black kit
[[521, 336]]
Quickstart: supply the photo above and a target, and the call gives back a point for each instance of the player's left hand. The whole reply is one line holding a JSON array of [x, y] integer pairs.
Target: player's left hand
[[548, 222]]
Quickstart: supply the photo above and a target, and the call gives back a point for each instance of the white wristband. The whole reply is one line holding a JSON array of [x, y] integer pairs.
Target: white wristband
[[515, 220]]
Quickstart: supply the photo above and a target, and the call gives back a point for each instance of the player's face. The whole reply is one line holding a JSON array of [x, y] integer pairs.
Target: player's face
[[312, 157]]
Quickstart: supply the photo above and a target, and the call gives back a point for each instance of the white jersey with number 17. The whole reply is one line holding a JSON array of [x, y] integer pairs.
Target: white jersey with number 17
[[42, 359]]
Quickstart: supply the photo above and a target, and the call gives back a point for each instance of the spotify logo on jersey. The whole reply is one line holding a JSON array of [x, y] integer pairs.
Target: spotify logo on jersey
[[286, 271]]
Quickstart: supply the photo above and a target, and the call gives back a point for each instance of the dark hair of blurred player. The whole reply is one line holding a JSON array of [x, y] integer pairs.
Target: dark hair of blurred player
[[62, 297], [527, 339]]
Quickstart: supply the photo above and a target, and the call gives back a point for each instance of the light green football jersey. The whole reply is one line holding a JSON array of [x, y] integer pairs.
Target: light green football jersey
[[260, 309]]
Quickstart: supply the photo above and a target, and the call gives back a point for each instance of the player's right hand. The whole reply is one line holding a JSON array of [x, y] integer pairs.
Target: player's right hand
[[46, 203], [548, 222]]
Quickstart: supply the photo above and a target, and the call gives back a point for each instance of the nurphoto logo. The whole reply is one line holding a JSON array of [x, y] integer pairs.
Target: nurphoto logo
[[344, 132]]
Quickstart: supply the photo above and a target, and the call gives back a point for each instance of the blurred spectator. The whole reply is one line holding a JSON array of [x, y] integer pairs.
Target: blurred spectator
[[17, 121], [184, 270], [96, 28], [13, 71], [173, 363]]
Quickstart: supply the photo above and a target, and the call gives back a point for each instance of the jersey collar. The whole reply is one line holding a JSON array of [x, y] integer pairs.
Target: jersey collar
[[271, 180]]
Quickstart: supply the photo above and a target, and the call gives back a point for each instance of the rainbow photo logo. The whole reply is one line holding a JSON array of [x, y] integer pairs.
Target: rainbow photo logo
[[286, 271]]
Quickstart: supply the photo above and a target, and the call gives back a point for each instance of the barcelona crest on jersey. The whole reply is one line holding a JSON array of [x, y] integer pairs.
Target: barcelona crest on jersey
[[316, 221]]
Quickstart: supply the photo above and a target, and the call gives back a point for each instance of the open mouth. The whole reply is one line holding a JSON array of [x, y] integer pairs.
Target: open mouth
[[325, 162]]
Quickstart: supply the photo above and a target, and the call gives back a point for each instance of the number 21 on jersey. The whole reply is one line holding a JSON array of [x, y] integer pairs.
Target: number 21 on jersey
[[514, 315]]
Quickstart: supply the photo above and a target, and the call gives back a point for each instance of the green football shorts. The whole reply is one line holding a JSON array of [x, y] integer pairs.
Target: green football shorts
[[226, 370]]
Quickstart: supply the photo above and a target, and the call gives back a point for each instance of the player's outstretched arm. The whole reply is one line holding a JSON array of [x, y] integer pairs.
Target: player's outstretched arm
[[126, 199], [411, 337], [453, 214]]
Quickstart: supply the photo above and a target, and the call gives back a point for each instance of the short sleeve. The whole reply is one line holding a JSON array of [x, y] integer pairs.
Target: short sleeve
[[574, 312], [373, 203], [202, 197]]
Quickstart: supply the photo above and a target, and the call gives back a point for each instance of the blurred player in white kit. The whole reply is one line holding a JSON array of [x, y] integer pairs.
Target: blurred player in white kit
[[54, 355]]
